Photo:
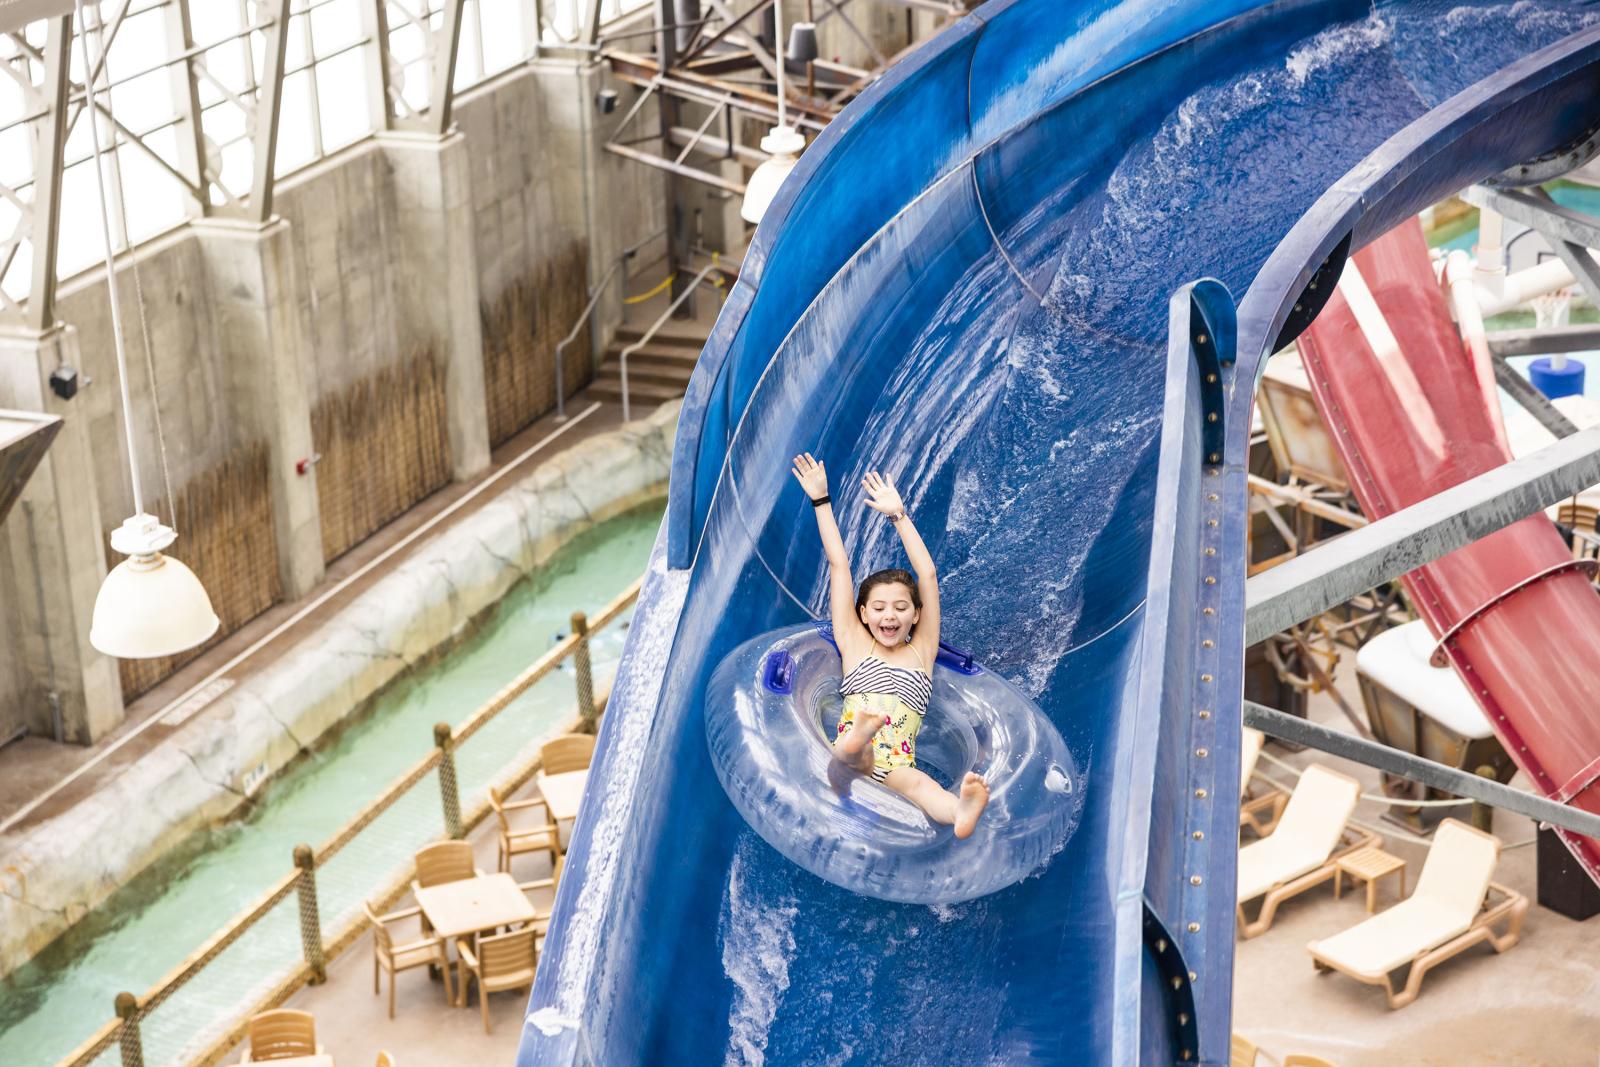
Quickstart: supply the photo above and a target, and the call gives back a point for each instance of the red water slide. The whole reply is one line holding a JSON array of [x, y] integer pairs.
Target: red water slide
[[1412, 415]]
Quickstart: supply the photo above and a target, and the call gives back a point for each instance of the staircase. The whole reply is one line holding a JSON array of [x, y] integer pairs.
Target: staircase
[[657, 372]]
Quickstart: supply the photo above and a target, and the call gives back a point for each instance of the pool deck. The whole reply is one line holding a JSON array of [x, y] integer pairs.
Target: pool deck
[[353, 1023], [1536, 1005], [34, 764]]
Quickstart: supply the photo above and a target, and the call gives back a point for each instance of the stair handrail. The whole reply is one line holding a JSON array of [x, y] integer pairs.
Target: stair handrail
[[594, 298], [699, 279]]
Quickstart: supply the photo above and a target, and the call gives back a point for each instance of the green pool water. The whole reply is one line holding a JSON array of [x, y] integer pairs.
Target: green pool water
[[49, 1006]]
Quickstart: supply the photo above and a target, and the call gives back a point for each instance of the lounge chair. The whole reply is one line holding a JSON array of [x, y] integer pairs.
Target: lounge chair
[[1454, 907], [1261, 809], [1301, 852]]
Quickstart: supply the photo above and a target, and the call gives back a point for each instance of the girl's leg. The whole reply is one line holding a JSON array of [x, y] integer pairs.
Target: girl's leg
[[959, 810], [853, 748]]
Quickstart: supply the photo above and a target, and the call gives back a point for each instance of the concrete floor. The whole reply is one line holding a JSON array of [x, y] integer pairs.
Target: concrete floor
[[1536, 1005], [353, 1023]]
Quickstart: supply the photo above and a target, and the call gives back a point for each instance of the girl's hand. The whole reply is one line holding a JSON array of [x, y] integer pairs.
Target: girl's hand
[[882, 496], [812, 476]]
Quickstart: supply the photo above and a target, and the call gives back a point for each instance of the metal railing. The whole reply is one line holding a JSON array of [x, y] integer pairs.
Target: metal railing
[[661, 320], [315, 942], [620, 266]]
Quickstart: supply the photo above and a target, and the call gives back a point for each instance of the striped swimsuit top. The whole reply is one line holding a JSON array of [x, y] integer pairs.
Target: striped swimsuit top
[[873, 675]]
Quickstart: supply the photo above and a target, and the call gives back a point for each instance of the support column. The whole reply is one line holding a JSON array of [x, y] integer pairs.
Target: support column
[[255, 294], [438, 282], [53, 553]]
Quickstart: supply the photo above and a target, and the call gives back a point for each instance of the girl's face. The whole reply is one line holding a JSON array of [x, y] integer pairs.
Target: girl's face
[[889, 613]]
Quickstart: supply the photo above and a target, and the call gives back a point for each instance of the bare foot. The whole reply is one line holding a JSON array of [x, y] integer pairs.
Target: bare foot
[[974, 798], [854, 747]]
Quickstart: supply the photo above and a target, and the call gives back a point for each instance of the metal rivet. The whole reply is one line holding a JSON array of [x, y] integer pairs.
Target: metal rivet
[[1210, 580], [1297, 307], [1208, 643], [1212, 417], [1193, 977], [1211, 551], [1177, 983], [1211, 522], [1194, 928], [1161, 945], [1201, 793], [1199, 835], [1195, 879], [1205, 715], [1227, 363], [1187, 1055], [1205, 677], [1212, 497], [1211, 377], [1202, 753], [1208, 611], [1200, 339], [1183, 1018], [1216, 457]]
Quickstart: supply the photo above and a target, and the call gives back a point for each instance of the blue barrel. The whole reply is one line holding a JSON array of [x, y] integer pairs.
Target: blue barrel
[[1555, 381]]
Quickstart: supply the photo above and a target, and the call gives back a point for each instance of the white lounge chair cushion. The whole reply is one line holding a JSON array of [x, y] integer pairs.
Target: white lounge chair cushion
[[1450, 891], [1391, 939], [1253, 740], [1306, 835]]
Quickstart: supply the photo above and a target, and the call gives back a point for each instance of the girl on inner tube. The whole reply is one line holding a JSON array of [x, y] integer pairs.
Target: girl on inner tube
[[887, 647]]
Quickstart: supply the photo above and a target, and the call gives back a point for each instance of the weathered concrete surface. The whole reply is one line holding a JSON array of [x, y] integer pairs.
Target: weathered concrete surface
[[59, 869]]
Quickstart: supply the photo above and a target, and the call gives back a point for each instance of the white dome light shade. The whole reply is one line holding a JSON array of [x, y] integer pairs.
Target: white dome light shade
[[784, 144], [150, 605]]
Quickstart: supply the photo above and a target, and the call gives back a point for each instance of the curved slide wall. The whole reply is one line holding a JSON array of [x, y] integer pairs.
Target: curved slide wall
[[970, 282]]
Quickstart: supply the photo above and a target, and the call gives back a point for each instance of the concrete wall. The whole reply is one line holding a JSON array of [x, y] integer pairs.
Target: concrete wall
[[350, 283]]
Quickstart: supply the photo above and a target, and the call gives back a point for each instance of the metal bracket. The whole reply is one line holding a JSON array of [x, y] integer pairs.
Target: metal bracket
[[1176, 982]]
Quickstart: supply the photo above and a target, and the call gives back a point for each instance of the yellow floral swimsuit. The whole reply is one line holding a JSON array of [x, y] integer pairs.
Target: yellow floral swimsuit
[[901, 695]]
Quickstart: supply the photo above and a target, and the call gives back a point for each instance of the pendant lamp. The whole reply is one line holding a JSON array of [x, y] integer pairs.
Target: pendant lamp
[[150, 604], [783, 143]]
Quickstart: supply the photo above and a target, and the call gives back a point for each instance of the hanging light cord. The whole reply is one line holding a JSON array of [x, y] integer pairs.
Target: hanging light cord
[[111, 270], [781, 50]]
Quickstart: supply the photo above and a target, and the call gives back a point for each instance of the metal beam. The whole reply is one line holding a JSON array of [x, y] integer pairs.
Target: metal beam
[[1406, 765], [49, 151], [1310, 584], [1538, 212], [190, 134], [1533, 402], [1543, 342], [269, 100], [681, 170], [375, 24], [442, 90]]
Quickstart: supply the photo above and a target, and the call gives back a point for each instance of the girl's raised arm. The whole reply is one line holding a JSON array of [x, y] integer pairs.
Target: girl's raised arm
[[847, 628], [883, 497]]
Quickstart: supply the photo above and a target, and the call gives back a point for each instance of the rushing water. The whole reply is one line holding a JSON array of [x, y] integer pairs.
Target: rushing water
[[52, 1004]]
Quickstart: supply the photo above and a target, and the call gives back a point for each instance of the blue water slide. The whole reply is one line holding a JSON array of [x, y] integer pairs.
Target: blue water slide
[[1033, 272]]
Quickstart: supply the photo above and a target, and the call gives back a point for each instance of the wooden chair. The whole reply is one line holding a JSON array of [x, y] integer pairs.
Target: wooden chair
[[541, 921], [1260, 806], [569, 752], [1302, 851], [1448, 913], [444, 861], [499, 962], [384, 1060], [388, 956], [1242, 1052], [281, 1035], [516, 840]]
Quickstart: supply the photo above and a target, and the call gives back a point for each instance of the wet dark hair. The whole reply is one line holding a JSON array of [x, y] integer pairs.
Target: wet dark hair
[[890, 576]]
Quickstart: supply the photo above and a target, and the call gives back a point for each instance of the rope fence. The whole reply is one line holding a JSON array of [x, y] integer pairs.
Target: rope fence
[[314, 942]]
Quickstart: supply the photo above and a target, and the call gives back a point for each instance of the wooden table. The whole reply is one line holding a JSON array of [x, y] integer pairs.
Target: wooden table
[[458, 909], [1369, 864], [563, 792]]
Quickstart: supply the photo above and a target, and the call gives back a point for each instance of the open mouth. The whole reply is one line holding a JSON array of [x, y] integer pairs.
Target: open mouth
[[889, 631]]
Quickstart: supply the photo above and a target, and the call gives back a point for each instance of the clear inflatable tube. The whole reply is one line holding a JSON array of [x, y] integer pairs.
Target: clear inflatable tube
[[771, 710]]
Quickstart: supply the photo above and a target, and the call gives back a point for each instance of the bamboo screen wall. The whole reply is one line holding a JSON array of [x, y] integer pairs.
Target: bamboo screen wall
[[520, 332], [385, 445], [225, 535]]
